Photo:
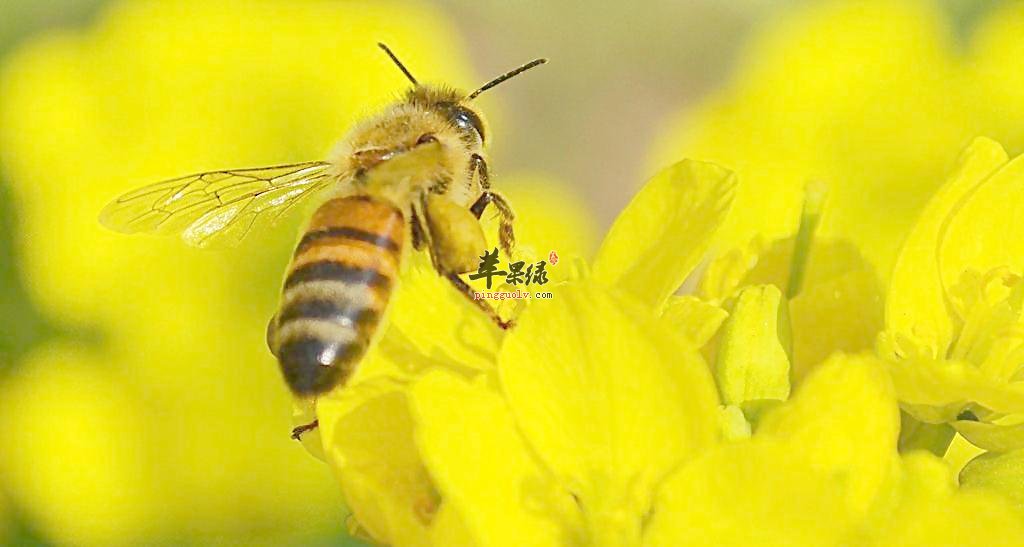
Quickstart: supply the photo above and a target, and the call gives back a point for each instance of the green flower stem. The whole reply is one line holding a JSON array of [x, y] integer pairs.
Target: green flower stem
[[918, 435], [814, 202]]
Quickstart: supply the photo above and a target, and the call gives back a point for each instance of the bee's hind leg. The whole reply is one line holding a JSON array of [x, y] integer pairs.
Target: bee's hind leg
[[468, 291], [452, 277], [297, 432]]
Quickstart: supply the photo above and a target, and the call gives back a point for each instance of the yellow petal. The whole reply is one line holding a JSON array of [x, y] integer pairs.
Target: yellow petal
[[917, 475], [997, 437], [1001, 473], [983, 231], [609, 399], [941, 523], [386, 367], [481, 465], [693, 318], [729, 271], [304, 413], [936, 391], [449, 528], [664, 232], [438, 322], [373, 453], [916, 315], [845, 419], [749, 493], [925, 509], [752, 361]]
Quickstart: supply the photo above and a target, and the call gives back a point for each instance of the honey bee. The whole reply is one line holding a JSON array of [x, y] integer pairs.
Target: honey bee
[[416, 171]]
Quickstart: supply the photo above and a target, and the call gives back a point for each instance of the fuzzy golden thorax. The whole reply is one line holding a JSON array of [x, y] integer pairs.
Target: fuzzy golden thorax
[[426, 114]]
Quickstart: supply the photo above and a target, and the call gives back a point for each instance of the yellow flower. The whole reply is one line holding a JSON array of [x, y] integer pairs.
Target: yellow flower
[[491, 483], [954, 312], [827, 298], [596, 422], [822, 470], [450, 435], [809, 476], [161, 425], [610, 401]]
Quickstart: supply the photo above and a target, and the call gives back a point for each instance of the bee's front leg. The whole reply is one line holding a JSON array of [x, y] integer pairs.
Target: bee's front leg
[[506, 235]]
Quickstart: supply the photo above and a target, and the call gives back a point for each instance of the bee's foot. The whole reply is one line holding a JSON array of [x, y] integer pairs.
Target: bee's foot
[[298, 431], [506, 325]]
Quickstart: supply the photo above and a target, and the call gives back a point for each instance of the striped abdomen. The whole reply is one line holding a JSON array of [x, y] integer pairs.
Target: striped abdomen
[[336, 291]]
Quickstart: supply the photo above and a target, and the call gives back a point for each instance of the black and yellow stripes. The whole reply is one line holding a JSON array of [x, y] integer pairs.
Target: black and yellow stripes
[[337, 311], [336, 291], [347, 232], [334, 270]]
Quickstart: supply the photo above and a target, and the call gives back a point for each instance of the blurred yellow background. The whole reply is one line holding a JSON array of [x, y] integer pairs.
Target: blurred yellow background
[[138, 404]]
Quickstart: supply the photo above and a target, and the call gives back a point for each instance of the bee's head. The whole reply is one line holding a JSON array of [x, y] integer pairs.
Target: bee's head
[[452, 104]]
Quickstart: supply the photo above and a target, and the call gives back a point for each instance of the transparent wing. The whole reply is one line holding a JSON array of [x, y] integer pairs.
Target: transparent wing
[[218, 206]]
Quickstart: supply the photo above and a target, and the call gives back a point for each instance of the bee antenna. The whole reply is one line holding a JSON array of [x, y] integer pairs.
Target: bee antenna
[[508, 75], [398, 63]]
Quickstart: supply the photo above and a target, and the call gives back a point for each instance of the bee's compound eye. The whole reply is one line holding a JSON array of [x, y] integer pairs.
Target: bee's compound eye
[[426, 139], [467, 120]]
